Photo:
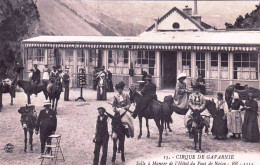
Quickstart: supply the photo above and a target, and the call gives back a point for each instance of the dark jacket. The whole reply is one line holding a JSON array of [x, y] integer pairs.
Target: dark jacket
[[36, 77], [66, 80], [149, 91], [101, 129], [46, 122]]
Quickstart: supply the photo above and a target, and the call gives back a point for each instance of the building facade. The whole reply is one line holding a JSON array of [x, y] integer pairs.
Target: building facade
[[177, 42]]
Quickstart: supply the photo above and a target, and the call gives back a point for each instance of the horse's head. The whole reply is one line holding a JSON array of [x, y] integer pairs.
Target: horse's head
[[168, 100], [211, 107], [197, 118], [26, 116]]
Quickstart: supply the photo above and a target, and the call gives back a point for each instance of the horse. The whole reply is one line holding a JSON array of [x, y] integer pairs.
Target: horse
[[54, 90], [28, 121], [8, 86], [153, 111], [30, 88], [242, 91]]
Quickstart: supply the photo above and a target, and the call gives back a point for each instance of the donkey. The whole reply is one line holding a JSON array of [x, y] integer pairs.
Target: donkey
[[54, 90], [28, 121]]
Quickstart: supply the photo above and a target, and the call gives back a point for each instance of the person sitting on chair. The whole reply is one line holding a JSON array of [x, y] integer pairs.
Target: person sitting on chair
[[149, 94], [200, 82], [196, 104]]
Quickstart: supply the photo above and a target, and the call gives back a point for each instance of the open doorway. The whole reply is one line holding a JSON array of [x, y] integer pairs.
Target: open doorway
[[169, 59]]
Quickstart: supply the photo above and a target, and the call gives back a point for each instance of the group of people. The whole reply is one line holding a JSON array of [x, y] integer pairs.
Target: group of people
[[102, 82], [51, 76], [225, 120], [121, 123]]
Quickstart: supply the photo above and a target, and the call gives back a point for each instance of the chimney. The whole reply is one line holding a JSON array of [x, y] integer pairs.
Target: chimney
[[195, 8], [155, 24], [187, 10]]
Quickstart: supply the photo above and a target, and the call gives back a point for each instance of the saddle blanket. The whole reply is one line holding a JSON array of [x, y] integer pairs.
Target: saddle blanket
[[127, 121]]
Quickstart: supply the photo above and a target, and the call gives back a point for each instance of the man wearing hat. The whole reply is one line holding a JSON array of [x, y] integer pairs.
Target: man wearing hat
[[47, 124], [36, 77], [181, 93], [54, 73], [149, 94], [66, 82], [109, 81], [101, 137]]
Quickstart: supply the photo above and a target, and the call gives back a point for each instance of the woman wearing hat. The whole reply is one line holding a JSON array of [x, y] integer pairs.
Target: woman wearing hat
[[219, 128], [109, 81], [250, 130], [181, 92], [102, 87], [234, 116]]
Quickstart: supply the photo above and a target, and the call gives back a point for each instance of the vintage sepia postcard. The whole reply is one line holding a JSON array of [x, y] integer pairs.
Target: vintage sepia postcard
[[109, 82]]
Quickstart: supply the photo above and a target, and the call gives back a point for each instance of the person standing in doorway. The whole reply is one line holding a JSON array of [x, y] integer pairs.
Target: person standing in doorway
[[66, 82]]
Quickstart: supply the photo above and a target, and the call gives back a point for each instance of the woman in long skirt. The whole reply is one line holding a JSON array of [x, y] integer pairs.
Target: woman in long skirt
[[219, 128], [109, 81], [250, 130], [102, 88], [234, 118]]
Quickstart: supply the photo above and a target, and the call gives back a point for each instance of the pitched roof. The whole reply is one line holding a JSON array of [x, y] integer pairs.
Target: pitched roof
[[201, 26]]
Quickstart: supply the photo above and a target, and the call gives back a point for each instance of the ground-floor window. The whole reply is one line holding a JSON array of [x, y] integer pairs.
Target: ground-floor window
[[144, 61], [200, 63], [246, 66], [81, 57], [224, 74], [214, 65], [51, 58], [69, 59], [118, 61], [186, 63]]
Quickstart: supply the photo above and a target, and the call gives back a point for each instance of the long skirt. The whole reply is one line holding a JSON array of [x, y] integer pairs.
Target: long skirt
[[250, 130], [101, 93], [110, 86], [219, 127], [234, 121], [127, 121]]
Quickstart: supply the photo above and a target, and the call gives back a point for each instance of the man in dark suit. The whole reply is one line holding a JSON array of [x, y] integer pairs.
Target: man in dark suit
[[66, 83], [149, 94], [200, 82], [101, 137], [47, 123], [36, 77]]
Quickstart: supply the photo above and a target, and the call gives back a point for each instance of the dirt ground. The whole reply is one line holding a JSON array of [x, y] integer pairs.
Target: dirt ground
[[76, 124]]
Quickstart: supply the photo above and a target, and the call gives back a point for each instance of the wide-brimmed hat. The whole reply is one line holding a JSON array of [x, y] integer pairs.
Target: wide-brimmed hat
[[101, 108], [120, 85], [47, 105], [148, 77], [181, 75]]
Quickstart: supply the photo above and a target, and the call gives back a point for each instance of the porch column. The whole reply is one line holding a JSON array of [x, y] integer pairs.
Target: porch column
[[193, 65], [207, 65], [158, 69], [131, 62], [179, 63], [259, 68], [105, 58], [231, 67], [219, 71], [75, 61], [62, 56], [45, 56], [86, 52]]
